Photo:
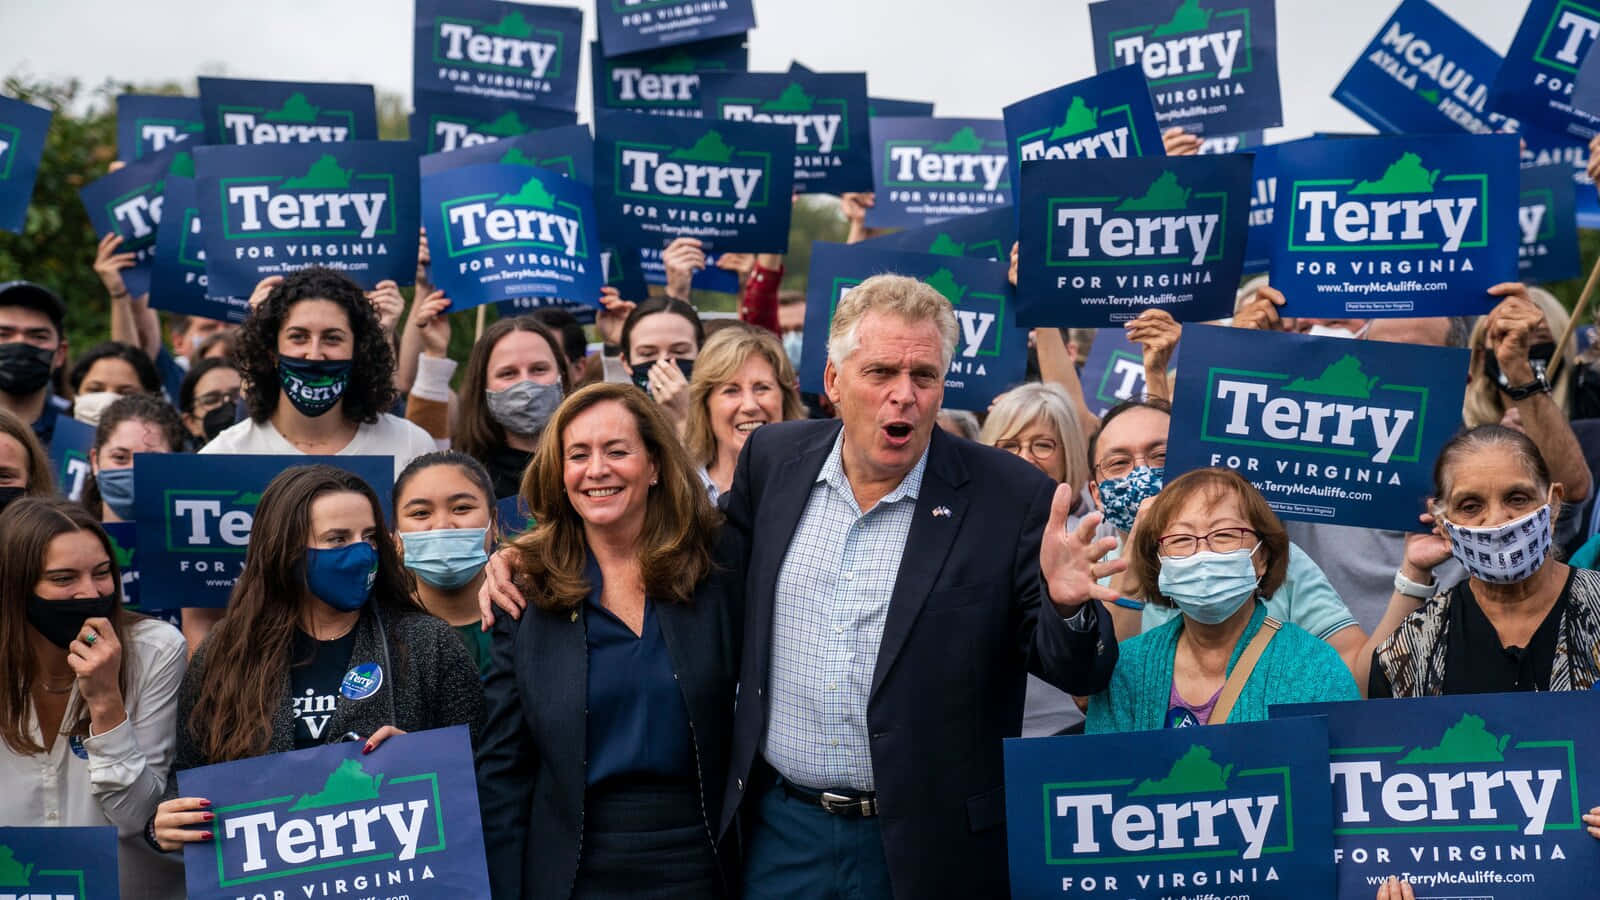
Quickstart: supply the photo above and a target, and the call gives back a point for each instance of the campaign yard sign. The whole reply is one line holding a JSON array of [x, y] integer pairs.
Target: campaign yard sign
[[1230, 810], [992, 353], [332, 822], [1586, 87], [1548, 221], [1535, 82], [1105, 239], [1424, 73], [1105, 116], [125, 547], [927, 170], [287, 112], [662, 82], [887, 107], [70, 442], [444, 121], [59, 863], [128, 202], [510, 51], [194, 517], [567, 149], [730, 184], [22, 131], [1414, 225], [985, 235], [149, 123], [1211, 64], [178, 275], [1542, 147], [832, 152], [500, 231], [1114, 371], [1469, 796], [276, 210], [1327, 429], [630, 26]]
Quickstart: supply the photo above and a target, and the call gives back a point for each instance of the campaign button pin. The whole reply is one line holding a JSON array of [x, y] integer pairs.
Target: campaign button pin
[[76, 743], [362, 682]]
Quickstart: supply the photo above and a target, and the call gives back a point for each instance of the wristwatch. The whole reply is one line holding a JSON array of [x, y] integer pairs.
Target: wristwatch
[[1409, 588], [1539, 385]]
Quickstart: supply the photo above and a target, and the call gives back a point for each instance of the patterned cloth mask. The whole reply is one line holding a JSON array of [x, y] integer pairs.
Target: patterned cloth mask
[[1502, 554], [1121, 496]]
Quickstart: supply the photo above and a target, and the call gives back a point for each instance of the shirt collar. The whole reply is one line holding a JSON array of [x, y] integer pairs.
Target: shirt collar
[[833, 474]]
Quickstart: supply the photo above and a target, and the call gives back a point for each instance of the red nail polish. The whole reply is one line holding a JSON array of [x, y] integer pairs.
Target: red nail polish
[[205, 802], [367, 749], [208, 836], [208, 817]]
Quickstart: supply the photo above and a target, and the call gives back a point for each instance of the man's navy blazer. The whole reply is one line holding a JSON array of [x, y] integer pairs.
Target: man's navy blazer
[[968, 619]]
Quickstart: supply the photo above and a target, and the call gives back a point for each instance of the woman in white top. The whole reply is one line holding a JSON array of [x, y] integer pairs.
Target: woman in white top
[[87, 710], [742, 380]]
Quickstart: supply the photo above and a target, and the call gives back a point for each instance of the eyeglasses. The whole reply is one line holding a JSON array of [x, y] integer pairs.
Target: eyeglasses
[[1118, 465], [213, 399], [1038, 448], [1223, 540]]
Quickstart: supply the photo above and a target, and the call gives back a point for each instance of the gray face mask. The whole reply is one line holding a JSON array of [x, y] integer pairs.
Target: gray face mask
[[524, 407]]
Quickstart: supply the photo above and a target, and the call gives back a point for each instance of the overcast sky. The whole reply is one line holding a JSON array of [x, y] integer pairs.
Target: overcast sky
[[972, 57]]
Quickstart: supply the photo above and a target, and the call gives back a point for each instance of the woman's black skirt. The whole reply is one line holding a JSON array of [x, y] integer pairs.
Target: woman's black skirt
[[646, 839]]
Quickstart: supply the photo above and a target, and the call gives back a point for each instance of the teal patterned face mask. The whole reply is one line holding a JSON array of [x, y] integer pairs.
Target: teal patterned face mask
[[1120, 497]]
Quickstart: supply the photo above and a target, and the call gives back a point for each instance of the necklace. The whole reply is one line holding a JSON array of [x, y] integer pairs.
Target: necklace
[[56, 690]]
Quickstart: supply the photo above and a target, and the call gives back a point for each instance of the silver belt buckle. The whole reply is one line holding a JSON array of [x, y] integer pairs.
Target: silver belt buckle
[[836, 803]]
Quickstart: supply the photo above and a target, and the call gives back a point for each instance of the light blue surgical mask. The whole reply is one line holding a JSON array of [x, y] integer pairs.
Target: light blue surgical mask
[[1208, 586], [1120, 497], [116, 489], [793, 341], [446, 558]]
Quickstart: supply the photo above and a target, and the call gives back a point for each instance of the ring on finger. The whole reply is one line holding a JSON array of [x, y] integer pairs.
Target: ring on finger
[[90, 636]]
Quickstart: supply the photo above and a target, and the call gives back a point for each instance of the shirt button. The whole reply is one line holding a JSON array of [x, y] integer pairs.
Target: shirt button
[[833, 687], [838, 629], [849, 576], [52, 816], [835, 743], [739, 783]]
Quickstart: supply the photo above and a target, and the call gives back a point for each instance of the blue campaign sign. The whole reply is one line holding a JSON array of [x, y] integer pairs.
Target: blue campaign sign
[[1535, 82], [567, 149], [22, 131], [1105, 116], [730, 184], [149, 123], [125, 546], [832, 150], [1467, 796], [890, 108], [499, 231], [1240, 811], [194, 519], [1327, 429], [927, 170], [276, 210], [511, 51], [631, 26], [985, 235], [70, 443], [992, 354], [447, 121], [1219, 144], [178, 276], [1542, 147], [129, 202], [1410, 225], [1424, 73], [1586, 90], [1214, 66], [624, 271], [287, 112], [332, 822], [1114, 371], [662, 82], [513, 515], [59, 863], [1104, 239], [711, 278], [1548, 221]]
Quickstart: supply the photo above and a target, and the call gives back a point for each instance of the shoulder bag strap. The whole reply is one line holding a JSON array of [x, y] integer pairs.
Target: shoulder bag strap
[[1241, 672]]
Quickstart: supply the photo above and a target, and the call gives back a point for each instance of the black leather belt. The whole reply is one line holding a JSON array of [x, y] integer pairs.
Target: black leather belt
[[840, 803]]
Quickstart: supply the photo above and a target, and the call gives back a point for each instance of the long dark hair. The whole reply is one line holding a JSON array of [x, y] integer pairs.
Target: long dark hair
[[27, 527], [477, 434], [249, 649], [132, 408]]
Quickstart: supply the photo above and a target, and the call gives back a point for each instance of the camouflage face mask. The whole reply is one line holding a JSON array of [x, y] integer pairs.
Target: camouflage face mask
[[1120, 497]]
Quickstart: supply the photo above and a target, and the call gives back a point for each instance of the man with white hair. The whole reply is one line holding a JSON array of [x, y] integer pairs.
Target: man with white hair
[[900, 584]]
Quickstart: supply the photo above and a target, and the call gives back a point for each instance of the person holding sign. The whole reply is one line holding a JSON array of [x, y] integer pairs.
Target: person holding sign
[[742, 380], [323, 642], [660, 339], [611, 700], [137, 423], [1211, 546], [87, 715]]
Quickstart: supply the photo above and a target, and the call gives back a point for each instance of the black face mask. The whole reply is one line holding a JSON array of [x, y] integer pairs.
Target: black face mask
[[218, 420], [1539, 356], [24, 368], [61, 621], [8, 494], [641, 372]]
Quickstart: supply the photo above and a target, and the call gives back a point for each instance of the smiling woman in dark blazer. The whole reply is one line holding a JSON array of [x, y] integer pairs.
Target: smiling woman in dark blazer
[[611, 700]]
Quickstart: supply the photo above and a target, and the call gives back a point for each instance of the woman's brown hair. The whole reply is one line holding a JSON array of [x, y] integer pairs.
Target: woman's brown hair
[[680, 525], [40, 482], [477, 434], [27, 527], [1144, 556], [719, 360], [248, 651]]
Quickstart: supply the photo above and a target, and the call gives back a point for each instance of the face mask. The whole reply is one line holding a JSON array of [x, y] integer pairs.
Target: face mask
[[641, 372], [446, 558], [1209, 587], [24, 368], [1120, 497], [8, 494], [61, 621], [524, 407], [116, 489], [313, 385], [342, 576], [218, 420], [1502, 554], [1539, 356], [87, 408], [793, 341]]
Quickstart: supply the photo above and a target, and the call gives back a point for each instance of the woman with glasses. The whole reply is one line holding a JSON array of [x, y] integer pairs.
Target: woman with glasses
[[1211, 547], [209, 399]]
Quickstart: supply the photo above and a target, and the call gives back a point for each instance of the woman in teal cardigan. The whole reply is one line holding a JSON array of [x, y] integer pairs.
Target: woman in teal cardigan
[[1210, 544]]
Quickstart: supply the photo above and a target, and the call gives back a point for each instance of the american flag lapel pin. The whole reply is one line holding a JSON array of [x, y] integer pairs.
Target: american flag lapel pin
[[941, 512]]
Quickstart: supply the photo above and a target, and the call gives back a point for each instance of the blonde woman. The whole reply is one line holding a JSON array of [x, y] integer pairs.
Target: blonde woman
[[742, 380]]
